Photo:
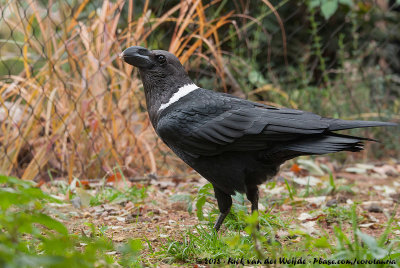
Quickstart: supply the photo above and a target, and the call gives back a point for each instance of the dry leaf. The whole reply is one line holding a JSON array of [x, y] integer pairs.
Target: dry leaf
[[311, 166], [309, 180], [386, 170], [295, 168], [276, 190], [371, 225], [309, 227], [316, 201], [305, 216], [282, 233], [386, 190], [84, 196]]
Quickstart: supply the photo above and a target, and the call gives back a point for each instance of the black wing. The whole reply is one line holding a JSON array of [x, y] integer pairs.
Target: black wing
[[212, 123]]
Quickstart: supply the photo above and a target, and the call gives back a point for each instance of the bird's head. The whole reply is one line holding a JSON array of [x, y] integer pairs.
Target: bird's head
[[155, 65], [161, 72]]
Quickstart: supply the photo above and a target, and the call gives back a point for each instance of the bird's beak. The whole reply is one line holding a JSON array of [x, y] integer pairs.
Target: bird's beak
[[137, 56]]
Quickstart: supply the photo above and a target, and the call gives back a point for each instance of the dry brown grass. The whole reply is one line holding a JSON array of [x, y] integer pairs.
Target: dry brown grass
[[79, 112]]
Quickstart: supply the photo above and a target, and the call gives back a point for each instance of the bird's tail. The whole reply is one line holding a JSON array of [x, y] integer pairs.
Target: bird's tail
[[339, 124], [333, 142], [326, 144], [329, 142]]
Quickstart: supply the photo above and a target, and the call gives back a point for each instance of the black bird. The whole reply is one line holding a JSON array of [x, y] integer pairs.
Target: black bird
[[234, 143]]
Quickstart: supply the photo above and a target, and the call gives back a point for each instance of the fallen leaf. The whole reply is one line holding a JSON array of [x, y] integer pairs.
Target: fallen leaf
[[378, 176], [163, 184], [121, 219], [372, 218], [285, 207], [116, 176], [311, 166], [386, 170], [275, 190], [86, 214], [371, 225], [295, 168], [309, 180], [316, 201], [304, 216], [387, 191], [40, 183], [365, 166], [309, 227], [84, 196], [311, 217], [282, 233], [356, 170], [119, 238]]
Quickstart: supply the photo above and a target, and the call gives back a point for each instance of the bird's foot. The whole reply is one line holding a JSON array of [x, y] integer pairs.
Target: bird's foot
[[219, 221]]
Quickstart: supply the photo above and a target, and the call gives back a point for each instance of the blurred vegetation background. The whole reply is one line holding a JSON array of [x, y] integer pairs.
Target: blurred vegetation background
[[70, 108]]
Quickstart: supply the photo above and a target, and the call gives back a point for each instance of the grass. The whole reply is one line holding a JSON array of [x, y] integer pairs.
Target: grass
[[112, 195], [30, 235], [202, 245]]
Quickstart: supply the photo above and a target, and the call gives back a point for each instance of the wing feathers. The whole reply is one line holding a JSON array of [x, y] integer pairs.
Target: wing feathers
[[338, 124], [218, 122]]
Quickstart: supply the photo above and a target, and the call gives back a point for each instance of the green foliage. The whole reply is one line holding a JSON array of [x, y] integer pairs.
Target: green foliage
[[130, 252], [113, 195], [31, 238], [203, 243], [338, 215], [329, 7], [365, 247], [204, 193]]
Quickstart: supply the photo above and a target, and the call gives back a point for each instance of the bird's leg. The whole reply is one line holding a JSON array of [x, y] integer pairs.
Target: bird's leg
[[224, 204], [252, 196]]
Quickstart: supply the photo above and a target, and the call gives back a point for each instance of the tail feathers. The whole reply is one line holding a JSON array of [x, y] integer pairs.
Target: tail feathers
[[326, 144], [338, 124], [351, 137]]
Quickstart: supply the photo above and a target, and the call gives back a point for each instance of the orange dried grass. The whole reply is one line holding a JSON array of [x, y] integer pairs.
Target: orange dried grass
[[79, 113]]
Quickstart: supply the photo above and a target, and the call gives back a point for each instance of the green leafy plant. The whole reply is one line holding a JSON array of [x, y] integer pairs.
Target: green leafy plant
[[329, 7], [113, 195], [202, 196], [32, 238]]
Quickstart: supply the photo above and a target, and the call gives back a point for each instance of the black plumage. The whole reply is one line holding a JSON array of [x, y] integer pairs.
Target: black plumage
[[234, 143]]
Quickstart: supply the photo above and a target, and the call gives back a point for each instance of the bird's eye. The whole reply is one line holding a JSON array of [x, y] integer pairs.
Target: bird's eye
[[161, 58]]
